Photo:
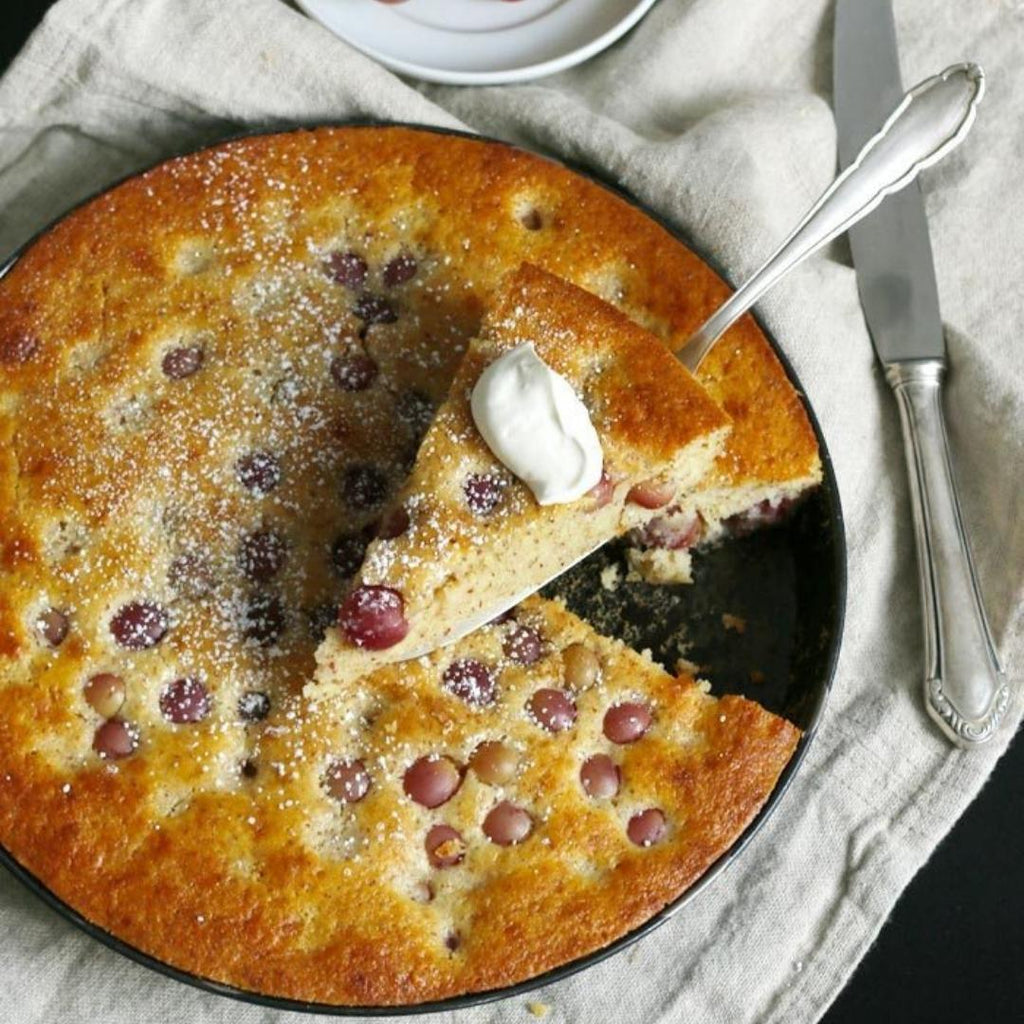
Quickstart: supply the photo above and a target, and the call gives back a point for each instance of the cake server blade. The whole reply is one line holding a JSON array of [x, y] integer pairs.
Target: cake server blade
[[965, 690]]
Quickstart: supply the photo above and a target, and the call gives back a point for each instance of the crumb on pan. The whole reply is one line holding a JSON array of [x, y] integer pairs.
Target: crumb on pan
[[611, 577], [734, 623]]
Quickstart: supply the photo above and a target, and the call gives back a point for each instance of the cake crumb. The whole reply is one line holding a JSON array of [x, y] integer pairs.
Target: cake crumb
[[538, 1010], [685, 667], [757, 676], [734, 623], [659, 565], [611, 577]]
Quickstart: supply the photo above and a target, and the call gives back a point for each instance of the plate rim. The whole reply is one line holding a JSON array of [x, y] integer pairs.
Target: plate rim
[[522, 73], [839, 567]]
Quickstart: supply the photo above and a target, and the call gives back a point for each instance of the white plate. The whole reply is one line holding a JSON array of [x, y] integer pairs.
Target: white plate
[[478, 42]]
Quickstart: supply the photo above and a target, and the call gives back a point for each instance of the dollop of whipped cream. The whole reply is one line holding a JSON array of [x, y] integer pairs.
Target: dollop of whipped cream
[[536, 425]]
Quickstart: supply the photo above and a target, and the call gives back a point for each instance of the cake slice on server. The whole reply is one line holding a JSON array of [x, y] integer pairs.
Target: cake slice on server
[[581, 409]]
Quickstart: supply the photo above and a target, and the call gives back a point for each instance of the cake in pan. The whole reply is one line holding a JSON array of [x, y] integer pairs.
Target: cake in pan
[[213, 380]]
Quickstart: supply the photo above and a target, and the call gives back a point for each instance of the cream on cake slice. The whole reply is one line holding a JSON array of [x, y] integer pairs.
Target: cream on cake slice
[[465, 533]]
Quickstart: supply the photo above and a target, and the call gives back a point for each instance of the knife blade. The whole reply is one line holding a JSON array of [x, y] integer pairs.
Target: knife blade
[[891, 247], [965, 691]]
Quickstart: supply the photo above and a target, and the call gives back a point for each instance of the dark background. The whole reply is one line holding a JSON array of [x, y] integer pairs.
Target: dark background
[[953, 949]]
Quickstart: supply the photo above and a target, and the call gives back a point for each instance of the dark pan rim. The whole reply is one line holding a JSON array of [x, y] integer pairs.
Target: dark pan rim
[[838, 568]]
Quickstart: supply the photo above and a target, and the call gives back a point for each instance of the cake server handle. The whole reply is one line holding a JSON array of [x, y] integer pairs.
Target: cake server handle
[[931, 120]]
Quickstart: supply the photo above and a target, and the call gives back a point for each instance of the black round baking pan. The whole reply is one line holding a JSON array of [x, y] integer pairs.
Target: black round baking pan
[[764, 619]]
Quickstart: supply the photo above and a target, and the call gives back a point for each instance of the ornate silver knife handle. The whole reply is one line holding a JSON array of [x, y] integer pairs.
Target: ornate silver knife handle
[[965, 690], [931, 120]]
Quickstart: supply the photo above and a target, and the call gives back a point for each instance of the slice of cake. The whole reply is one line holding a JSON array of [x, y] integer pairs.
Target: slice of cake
[[536, 787], [465, 532]]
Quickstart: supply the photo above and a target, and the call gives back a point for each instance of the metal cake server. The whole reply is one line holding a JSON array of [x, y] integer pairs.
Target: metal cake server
[[930, 121], [965, 690]]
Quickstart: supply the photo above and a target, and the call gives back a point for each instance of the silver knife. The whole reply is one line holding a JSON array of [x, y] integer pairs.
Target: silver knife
[[965, 690]]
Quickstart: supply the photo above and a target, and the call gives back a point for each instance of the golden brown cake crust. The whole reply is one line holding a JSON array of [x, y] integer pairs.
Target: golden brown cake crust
[[288, 928], [481, 192], [213, 845]]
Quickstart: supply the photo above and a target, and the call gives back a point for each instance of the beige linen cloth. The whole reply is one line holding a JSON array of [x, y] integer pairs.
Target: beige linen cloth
[[716, 113]]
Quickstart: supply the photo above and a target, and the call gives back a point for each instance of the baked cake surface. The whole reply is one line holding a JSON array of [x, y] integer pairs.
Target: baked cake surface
[[212, 380], [464, 532], [419, 826]]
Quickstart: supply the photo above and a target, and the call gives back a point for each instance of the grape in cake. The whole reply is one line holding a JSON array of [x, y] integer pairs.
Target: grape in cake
[[464, 532]]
